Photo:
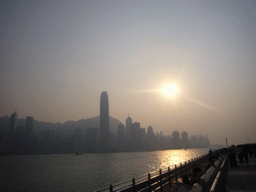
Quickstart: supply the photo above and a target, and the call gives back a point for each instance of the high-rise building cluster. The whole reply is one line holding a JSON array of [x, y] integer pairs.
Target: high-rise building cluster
[[132, 137], [128, 137], [20, 139]]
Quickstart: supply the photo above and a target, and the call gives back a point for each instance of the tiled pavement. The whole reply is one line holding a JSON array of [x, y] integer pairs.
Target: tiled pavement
[[242, 178]]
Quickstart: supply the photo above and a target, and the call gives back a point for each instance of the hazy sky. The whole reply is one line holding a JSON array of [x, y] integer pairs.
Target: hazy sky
[[56, 57]]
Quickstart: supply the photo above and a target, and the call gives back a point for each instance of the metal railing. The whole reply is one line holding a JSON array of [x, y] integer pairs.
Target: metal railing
[[220, 180], [154, 182], [215, 178]]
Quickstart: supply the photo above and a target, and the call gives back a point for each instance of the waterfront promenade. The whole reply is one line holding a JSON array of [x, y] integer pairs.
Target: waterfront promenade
[[242, 178], [221, 176]]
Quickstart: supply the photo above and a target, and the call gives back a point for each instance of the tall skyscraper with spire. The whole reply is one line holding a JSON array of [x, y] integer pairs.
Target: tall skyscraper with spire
[[104, 122]]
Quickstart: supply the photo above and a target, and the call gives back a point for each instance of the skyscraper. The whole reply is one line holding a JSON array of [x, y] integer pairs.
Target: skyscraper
[[151, 139], [104, 122], [12, 129], [13, 122], [135, 136], [120, 137], [128, 129], [176, 139], [184, 138]]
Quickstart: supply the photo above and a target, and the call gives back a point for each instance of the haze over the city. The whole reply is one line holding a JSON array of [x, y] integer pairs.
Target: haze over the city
[[58, 56]]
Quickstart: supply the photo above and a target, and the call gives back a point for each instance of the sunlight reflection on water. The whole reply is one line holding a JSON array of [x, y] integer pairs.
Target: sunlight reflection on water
[[87, 172]]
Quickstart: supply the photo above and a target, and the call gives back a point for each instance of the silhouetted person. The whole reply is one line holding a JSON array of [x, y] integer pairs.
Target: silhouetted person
[[232, 156], [250, 150], [240, 154], [245, 152], [211, 157], [254, 151]]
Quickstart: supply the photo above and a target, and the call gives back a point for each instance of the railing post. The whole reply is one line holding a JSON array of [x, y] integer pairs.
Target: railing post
[[161, 184], [149, 182], [190, 165], [111, 188], [170, 180], [181, 172], [176, 174], [186, 167], [133, 183]]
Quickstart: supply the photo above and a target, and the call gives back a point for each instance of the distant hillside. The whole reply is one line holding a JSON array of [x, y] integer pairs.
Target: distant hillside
[[65, 128], [92, 122]]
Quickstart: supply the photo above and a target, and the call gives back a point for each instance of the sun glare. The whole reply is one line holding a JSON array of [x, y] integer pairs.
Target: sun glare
[[169, 89]]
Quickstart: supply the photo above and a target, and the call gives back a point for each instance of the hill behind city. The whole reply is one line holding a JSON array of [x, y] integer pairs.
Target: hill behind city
[[65, 128]]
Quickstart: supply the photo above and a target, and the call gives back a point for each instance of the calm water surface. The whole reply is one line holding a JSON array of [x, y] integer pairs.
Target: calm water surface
[[87, 172]]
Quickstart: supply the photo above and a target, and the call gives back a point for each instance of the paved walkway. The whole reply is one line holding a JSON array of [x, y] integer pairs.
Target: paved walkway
[[242, 178]]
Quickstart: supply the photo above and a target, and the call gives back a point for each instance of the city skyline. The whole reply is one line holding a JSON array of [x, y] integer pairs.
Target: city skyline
[[57, 58], [18, 139], [132, 132]]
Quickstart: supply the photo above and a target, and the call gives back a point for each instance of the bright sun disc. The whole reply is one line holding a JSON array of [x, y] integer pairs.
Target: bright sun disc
[[169, 89]]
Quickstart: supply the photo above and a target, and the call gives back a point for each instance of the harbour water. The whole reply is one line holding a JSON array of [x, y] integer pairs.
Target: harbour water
[[86, 172]]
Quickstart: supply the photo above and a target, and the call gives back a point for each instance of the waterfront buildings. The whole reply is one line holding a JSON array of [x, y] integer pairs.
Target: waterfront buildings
[[184, 139], [151, 139], [89, 137], [176, 139], [199, 141]]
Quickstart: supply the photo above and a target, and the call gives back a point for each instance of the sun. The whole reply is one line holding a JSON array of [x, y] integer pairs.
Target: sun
[[169, 89]]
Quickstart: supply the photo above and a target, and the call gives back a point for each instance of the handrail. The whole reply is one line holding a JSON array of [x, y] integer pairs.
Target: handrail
[[221, 173], [215, 177], [215, 182]]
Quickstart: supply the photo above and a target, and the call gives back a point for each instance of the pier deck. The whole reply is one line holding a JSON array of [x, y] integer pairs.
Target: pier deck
[[242, 178]]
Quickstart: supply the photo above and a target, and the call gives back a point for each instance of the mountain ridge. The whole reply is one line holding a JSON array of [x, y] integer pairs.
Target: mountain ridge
[[66, 127]]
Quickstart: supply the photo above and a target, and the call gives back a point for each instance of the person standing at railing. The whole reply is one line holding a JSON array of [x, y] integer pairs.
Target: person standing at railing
[[211, 157], [232, 156], [240, 154], [254, 151], [245, 151], [250, 151]]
